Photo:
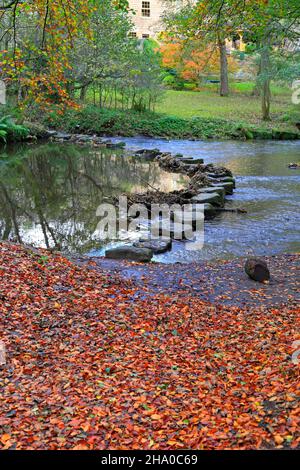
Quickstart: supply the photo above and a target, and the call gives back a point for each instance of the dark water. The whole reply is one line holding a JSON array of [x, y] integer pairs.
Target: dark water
[[49, 195]]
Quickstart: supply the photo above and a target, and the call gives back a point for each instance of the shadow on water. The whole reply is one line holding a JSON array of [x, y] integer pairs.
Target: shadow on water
[[49, 194]]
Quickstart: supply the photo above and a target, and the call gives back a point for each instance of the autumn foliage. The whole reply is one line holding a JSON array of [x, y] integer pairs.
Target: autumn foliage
[[91, 366], [39, 66], [194, 61]]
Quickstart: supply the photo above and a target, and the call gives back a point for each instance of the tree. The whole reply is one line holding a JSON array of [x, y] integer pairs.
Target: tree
[[209, 22], [271, 22], [36, 37], [54, 49], [192, 59]]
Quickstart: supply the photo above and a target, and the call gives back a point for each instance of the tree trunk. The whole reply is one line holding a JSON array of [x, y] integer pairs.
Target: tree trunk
[[224, 87], [266, 83], [83, 94], [257, 88]]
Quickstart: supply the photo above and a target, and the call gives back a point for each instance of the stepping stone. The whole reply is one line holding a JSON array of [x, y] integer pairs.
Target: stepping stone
[[209, 211], [213, 189], [115, 145], [227, 179], [62, 136], [211, 198], [228, 186], [177, 231], [130, 253], [192, 161], [157, 246], [150, 154]]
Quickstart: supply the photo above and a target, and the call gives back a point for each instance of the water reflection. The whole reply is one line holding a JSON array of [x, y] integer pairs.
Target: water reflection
[[49, 193]]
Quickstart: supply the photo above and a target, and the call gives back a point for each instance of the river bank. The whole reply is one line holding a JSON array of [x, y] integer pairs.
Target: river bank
[[91, 119], [76, 338], [222, 282]]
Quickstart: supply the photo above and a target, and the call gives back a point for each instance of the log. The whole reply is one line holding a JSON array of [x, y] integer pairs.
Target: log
[[257, 269]]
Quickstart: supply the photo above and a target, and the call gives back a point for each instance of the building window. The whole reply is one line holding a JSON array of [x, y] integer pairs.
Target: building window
[[146, 9], [145, 36], [132, 35]]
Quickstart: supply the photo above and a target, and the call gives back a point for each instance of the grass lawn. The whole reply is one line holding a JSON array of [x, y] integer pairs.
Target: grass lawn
[[239, 106]]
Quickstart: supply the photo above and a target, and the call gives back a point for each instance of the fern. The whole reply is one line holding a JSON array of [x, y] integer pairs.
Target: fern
[[9, 131]]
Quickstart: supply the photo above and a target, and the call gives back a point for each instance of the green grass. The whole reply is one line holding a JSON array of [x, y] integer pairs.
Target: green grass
[[91, 119], [239, 106]]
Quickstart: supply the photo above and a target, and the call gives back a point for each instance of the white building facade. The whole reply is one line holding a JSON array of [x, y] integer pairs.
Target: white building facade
[[148, 17]]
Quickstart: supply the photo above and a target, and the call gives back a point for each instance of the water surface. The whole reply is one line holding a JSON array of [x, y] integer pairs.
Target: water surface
[[49, 194]]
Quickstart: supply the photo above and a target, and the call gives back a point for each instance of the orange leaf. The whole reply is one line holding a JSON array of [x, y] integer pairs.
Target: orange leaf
[[4, 438]]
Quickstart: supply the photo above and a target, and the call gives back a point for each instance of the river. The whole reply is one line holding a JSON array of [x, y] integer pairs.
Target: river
[[49, 194]]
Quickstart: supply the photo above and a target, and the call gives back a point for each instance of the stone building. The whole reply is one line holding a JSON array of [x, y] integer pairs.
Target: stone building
[[148, 21], [147, 18]]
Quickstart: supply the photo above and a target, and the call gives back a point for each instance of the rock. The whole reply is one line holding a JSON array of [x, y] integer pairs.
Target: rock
[[191, 169], [213, 189], [115, 145], [83, 138], [192, 161], [257, 269], [216, 171], [199, 180], [169, 163], [209, 211], [157, 246], [227, 179], [62, 136], [228, 186], [131, 253], [38, 130], [150, 154], [211, 198]]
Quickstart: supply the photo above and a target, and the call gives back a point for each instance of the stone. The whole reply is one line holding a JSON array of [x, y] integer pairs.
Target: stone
[[150, 154], [228, 186], [130, 253], [213, 189], [83, 138], [257, 269], [178, 231], [209, 211], [211, 198], [192, 161], [62, 136], [227, 179], [157, 246], [294, 166], [115, 145]]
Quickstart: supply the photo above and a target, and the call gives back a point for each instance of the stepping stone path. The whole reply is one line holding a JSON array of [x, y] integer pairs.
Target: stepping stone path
[[211, 198], [157, 246], [130, 253]]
